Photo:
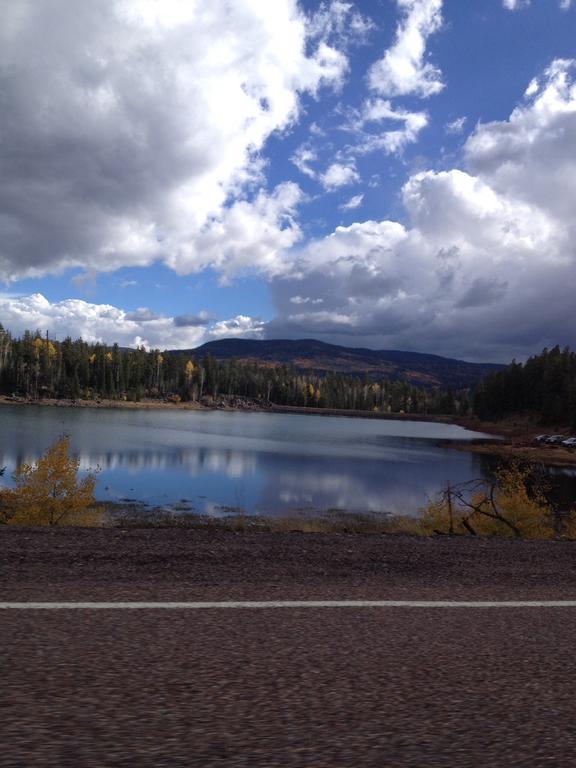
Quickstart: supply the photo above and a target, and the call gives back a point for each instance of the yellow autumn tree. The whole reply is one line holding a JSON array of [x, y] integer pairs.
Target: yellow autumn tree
[[49, 492], [514, 506], [520, 503]]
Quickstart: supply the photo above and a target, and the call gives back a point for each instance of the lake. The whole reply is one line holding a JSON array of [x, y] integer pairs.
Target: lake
[[262, 462]]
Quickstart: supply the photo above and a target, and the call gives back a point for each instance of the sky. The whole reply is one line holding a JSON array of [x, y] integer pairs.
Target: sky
[[391, 174]]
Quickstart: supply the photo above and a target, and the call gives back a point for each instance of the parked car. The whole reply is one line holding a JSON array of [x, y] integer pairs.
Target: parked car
[[570, 443], [540, 438], [556, 439]]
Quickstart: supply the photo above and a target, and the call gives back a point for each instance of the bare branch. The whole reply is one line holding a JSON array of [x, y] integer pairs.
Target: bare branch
[[466, 524]]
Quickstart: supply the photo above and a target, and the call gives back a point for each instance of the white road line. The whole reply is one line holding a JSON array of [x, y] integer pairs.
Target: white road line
[[259, 604]]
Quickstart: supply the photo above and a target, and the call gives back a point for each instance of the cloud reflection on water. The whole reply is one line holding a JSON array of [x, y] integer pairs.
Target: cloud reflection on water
[[270, 463]]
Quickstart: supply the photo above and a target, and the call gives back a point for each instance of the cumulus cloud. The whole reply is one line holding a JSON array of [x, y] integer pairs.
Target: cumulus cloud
[[130, 129], [339, 175], [239, 326], [532, 156], [485, 266], [403, 69], [192, 321], [247, 236], [140, 315], [110, 324]]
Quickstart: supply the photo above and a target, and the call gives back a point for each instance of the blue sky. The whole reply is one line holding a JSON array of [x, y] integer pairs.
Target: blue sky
[[386, 173]]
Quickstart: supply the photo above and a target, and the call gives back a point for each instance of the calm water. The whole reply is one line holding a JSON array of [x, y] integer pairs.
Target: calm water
[[258, 461]]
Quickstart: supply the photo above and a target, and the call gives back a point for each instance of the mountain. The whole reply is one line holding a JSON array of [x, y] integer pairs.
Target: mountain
[[311, 355]]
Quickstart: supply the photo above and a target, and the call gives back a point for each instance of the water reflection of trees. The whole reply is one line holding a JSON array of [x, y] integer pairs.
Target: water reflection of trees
[[332, 469], [194, 460]]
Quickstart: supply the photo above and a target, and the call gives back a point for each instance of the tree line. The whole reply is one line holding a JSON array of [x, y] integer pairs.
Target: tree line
[[542, 389], [36, 367]]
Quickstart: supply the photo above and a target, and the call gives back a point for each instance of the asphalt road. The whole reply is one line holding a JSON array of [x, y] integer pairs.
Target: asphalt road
[[309, 688]]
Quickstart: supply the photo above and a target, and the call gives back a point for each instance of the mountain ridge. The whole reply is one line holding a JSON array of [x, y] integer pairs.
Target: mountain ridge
[[419, 368]]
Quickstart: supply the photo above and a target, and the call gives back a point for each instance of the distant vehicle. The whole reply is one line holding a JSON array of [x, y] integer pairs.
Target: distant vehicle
[[570, 443], [556, 439], [540, 438]]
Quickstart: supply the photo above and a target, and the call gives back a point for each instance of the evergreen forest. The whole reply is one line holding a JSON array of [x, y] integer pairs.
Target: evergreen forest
[[542, 389], [36, 367]]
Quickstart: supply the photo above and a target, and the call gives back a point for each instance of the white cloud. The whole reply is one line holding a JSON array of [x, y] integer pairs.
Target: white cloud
[[485, 267], [340, 24], [532, 156], [391, 141], [339, 175], [376, 127], [456, 127], [246, 236], [239, 326], [354, 202], [319, 320], [110, 324], [403, 69], [514, 5], [304, 300], [134, 124], [302, 157]]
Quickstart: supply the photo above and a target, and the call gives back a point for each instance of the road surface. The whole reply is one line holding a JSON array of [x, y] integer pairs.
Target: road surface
[[318, 687]]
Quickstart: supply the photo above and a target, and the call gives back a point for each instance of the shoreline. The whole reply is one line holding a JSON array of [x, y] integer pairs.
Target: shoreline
[[516, 442], [248, 407], [551, 456]]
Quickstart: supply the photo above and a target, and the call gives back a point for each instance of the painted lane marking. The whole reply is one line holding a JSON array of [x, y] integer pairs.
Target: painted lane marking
[[260, 604]]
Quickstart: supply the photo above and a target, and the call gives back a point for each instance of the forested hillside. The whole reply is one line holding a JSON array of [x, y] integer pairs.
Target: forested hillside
[[543, 388], [422, 370], [35, 367]]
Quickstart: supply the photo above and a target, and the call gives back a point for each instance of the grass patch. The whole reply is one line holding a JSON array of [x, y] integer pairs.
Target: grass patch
[[339, 522], [134, 515]]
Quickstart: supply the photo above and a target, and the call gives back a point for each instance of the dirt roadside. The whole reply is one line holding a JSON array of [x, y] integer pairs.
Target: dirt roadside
[[164, 564]]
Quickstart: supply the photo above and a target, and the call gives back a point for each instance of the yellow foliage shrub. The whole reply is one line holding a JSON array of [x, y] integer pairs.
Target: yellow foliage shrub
[[509, 508], [530, 513], [50, 493], [436, 518]]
